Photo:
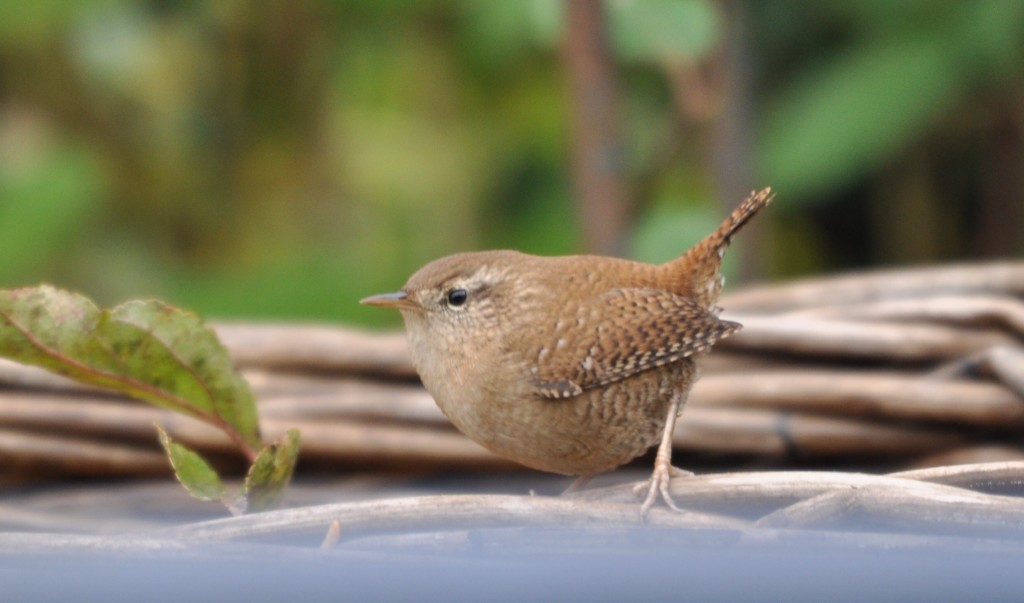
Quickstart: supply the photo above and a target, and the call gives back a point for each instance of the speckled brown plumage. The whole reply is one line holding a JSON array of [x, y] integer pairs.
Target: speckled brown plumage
[[572, 364]]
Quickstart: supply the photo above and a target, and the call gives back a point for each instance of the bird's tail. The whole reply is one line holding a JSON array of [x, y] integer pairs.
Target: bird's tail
[[700, 267]]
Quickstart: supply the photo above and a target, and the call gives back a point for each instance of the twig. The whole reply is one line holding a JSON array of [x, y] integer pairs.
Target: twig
[[866, 394], [745, 494], [906, 506], [992, 278], [858, 340], [316, 348], [368, 444], [999, 310], [803, 437], [1001, 477], [969, 454], [1005, 363], [79, 456], [440, 513]]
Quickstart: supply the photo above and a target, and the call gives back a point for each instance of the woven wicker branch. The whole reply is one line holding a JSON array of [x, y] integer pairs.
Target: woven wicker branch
[[923, 503], [893, 368]]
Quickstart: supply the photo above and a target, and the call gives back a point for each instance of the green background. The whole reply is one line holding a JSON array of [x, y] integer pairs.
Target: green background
[[283, 159]]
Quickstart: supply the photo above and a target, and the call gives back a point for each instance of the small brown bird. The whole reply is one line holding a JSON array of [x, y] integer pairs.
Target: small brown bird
[[573, 364]]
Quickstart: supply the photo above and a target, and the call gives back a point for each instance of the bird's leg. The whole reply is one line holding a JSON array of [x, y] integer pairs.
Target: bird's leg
[[578, 484], [663, 469]]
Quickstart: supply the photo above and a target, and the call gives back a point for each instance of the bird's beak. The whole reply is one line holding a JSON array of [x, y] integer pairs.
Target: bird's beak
[[397, 300]]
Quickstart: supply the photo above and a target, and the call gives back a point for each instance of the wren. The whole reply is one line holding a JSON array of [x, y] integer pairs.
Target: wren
[[573, 364]]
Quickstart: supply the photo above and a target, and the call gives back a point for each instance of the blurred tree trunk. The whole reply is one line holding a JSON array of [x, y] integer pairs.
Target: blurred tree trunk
[[598, 157], [732, 142], [1001, 215]]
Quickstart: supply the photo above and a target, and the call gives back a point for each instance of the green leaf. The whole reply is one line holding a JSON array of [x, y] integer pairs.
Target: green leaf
[[145, 349], [192, 470], [180, 353], [269, 475], [855, 112]]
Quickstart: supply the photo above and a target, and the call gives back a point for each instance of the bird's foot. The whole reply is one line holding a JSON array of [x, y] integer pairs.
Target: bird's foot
[[663, 473], [657, 487]]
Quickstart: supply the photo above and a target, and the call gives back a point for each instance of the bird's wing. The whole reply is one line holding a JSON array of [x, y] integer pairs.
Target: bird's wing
[[619, 334]]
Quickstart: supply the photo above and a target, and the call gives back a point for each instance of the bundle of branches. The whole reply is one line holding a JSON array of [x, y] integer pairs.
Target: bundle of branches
[[890, 369]]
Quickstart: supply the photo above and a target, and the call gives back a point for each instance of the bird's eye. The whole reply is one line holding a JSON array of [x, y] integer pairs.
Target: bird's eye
[[457, 297]]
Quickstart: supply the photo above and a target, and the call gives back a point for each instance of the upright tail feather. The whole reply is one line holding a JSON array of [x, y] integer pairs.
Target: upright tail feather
[[699, 268]]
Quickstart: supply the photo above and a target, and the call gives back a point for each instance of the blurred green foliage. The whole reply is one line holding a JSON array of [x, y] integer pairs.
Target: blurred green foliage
[[285, 158], [859, 108]]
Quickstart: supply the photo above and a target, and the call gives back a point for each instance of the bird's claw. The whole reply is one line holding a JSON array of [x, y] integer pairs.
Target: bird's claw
[[658, 485]]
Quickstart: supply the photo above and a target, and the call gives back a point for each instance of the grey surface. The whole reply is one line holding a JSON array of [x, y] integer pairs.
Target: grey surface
[[638, 566]]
